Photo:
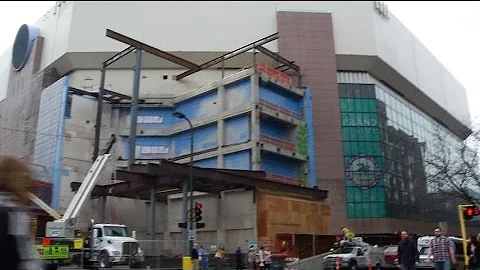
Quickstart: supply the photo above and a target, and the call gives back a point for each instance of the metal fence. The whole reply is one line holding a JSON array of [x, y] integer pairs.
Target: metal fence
[[167, 254], [156, 254]]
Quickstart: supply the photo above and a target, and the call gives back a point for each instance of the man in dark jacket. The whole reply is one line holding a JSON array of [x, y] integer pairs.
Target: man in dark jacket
[[407, 252], [238, 258]]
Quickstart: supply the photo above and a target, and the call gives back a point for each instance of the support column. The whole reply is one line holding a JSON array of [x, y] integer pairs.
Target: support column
[[221, 125], [255, 216], [186, 249], [103, 202], [167, 235], [153, 203], [221, 217], [134, 109], [255, 122], [98, 123]]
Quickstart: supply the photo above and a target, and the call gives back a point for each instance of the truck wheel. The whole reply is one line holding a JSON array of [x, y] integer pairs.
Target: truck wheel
[[353, 265], [51, 266], [104, 260]]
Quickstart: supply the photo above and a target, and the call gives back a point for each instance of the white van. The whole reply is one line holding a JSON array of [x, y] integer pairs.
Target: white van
[[423, 244]]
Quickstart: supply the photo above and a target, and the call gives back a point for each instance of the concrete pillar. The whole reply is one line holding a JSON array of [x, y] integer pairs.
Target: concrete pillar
[[254, 216], [255, 122], [221, 125], [167, 217], [221, 217]]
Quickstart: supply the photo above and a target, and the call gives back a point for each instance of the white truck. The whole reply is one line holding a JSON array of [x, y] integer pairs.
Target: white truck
[[112, 245], [107, 244], [355, 254]]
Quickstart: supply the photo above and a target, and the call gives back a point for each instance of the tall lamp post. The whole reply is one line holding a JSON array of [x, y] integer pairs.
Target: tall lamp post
[[187, 186]]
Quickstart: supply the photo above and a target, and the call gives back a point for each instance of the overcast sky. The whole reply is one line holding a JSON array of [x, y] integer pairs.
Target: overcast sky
[[450, 30]]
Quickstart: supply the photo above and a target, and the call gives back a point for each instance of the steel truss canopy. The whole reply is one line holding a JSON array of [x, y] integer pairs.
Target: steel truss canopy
[[256, 45], [167, 178], [192, 67]]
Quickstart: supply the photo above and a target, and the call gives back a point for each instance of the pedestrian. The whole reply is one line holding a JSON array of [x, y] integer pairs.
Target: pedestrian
[[473, 251], [194, 256], [203, 257], [407, 252], [261, 258], [252, 258], [268, 257], [238, 258], [220, 256], [16, 182], [442, 250]]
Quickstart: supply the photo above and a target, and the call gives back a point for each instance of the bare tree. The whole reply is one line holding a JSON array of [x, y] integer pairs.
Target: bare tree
[[452, 167]]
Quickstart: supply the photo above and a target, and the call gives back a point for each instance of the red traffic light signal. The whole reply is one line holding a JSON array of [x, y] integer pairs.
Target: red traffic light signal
[[198, 212], [470, 211]]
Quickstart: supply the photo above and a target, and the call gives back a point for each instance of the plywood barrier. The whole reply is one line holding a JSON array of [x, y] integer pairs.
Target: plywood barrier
[[280, 214]]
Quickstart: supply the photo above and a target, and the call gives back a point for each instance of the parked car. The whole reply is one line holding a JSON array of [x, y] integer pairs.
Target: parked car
[[390, 253]]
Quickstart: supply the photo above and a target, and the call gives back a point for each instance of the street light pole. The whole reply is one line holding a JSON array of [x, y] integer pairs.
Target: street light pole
[[187, 186]]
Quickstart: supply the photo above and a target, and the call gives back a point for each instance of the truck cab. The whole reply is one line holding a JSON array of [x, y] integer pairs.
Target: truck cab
[[351, 257], [111, 244]]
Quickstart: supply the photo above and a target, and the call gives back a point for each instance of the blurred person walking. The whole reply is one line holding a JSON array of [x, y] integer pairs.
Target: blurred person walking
[[16, 248], [473, 251]]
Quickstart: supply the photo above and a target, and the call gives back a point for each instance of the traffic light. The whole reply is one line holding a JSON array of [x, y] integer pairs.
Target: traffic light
[[198, 212], [198, 216], [469, 211]]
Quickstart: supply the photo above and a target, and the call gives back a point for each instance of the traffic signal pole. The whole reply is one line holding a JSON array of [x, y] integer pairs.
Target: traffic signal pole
[[461, 209]]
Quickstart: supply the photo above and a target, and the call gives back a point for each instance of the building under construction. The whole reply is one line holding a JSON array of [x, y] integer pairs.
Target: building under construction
[[301, 116]]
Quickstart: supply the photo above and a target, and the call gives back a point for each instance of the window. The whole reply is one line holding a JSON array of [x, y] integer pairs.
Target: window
[[154, 150], [115, 231], [150, 119]]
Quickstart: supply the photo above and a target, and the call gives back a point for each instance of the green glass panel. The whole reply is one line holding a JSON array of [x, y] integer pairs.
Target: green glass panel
[[346, 149], [373, 106], [350, 194], [353, 133], [359, 105], [351, 213], [343, 105], [381, 209], [376, 134], [345, 134], [364, 209], [376, 149], [362, 148]]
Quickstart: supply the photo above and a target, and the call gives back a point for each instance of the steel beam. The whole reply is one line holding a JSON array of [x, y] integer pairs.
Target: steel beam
[[115, 94], [98, 122], [278, 58], [152, 50], [118, 56], [227, 56], [134, 109]]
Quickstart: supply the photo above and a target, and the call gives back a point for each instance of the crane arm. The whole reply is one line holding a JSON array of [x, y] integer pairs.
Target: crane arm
[[44, 206]]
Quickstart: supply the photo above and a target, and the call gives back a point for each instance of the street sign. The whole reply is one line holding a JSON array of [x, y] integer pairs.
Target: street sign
[[192, 235]]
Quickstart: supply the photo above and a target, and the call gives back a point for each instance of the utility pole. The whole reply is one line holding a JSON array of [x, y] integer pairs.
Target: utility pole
[[187, 186]]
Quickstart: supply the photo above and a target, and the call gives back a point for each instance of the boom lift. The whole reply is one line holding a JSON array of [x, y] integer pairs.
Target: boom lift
[[107, 244]]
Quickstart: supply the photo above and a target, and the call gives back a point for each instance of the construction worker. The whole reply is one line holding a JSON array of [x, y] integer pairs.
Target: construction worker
[[347, 233]]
